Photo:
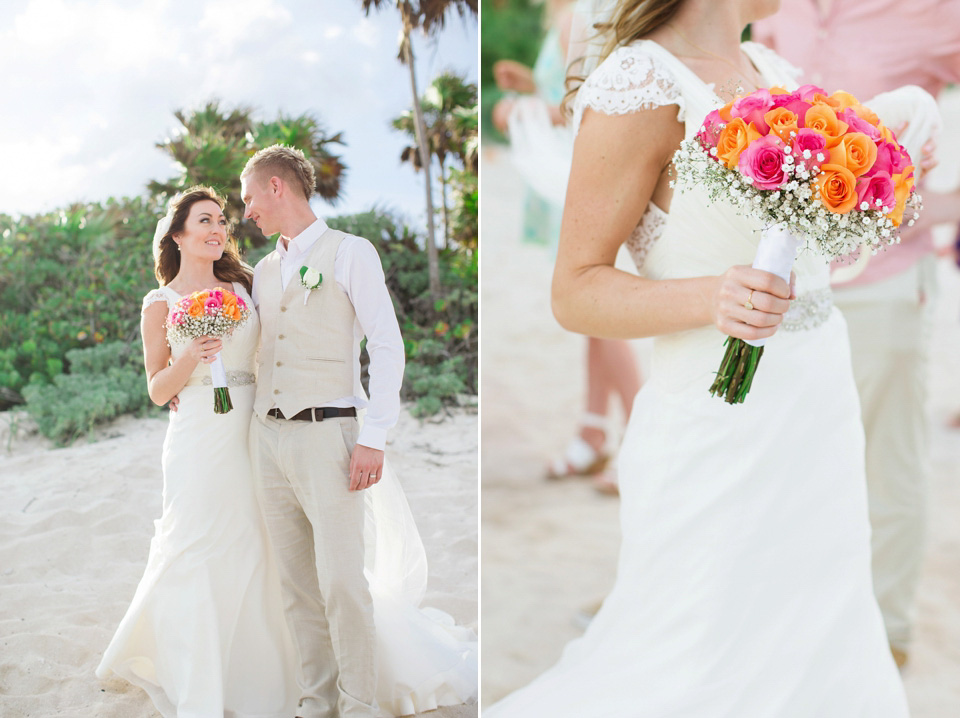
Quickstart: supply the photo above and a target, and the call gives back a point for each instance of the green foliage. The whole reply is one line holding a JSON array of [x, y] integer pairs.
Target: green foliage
[[464, 222], [105, 382], [214, 145], [70, 279], [512, 30]]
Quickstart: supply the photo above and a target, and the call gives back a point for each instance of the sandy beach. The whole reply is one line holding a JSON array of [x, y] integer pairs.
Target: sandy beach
[[550, 549], [75, 529]]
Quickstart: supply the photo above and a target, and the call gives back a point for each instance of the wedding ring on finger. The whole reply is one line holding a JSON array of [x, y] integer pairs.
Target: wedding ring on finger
[[749, 304]]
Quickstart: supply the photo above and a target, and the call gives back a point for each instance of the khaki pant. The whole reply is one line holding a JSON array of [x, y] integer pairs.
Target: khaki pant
[[889, 336], [316, 530]]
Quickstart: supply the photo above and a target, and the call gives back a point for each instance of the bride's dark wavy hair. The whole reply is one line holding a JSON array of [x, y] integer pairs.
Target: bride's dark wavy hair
[[229, 268], [631, 20]]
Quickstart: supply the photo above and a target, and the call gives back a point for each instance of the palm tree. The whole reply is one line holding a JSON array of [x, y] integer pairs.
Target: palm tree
[[442, 107], [214, 144], [430, 17]]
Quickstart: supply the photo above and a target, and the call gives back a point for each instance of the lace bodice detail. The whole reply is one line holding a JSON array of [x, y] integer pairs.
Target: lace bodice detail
[[630, 79], [645, 234], [239, 349]]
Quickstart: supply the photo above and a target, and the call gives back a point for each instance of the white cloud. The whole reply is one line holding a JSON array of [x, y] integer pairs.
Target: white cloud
[[366, 32]]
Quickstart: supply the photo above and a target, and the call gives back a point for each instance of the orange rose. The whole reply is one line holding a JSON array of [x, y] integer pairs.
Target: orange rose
[[822, 118], [196, 308], [733, 139], [231, 311], [724, 112], [842, 100], [782, 122], [856, 152], [229, 299], [902, 186], [779, 90], [838, 188], [865, 113]]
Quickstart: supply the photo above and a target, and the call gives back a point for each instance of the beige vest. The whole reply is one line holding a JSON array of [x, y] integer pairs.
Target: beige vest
[[306, 355]]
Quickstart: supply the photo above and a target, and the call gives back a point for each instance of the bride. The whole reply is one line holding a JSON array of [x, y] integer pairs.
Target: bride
[[743, 585], [205, 635]]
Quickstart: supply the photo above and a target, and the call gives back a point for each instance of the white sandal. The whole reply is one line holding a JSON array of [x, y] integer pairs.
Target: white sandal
[[580, 459]]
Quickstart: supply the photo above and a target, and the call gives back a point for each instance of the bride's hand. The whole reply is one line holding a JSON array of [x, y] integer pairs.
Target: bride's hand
[[739, 288], [204, 349]]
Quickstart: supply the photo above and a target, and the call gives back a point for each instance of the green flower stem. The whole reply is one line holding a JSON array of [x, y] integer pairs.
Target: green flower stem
[[737, 370], [221, 400]]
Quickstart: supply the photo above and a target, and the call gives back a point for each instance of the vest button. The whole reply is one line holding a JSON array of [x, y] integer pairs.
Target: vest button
[[279, 363], [283, 309], [281, 336], [276, 391]]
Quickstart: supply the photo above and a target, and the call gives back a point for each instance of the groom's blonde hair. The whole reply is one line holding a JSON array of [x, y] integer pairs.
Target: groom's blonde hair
[[287, 163]]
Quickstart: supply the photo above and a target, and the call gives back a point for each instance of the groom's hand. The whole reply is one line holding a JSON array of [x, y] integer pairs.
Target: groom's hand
[[366, 467]]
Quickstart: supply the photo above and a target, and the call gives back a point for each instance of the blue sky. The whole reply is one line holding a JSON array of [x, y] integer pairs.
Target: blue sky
[[88, 87]]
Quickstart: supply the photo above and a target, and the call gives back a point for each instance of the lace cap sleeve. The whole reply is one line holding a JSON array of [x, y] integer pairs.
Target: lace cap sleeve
[[154, 296], [629, 80]]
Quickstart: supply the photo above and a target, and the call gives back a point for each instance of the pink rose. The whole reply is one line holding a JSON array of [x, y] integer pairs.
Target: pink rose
[[763, 161], [890, 159], [710, 130], [858, 124], [752, 108], [176, 318], [242, 304], [807, 92], [791, 102], [212, 305], [813, 142], [877, 187]]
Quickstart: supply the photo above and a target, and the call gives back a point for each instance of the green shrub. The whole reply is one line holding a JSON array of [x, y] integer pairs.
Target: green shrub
[[105, 382], [70, 279]]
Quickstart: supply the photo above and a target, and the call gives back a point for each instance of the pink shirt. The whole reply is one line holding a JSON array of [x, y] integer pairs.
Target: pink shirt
[[867, 47]]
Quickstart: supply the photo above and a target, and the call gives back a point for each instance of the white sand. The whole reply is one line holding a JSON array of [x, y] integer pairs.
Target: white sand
[[550, 549], [75, 529]]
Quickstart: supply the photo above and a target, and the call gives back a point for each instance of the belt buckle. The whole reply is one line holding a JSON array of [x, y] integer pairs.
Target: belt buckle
[[313, 414]]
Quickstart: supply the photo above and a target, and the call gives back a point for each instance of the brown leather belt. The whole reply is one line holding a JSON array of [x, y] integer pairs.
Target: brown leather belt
[[315, 413]]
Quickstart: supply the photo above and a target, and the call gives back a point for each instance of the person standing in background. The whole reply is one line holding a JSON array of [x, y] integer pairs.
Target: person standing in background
[[887, 307], [542, 154]]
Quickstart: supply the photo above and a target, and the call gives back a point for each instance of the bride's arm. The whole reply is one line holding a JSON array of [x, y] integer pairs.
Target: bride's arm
[[165, 379], [618, 163]]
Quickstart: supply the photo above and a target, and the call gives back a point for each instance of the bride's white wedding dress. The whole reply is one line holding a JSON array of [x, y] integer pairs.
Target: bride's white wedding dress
[[205, 635], [743, 586]]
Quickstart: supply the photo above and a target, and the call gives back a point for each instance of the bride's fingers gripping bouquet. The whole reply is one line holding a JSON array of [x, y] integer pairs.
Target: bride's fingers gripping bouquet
[[750, 304], [818, 171], [203, 315]]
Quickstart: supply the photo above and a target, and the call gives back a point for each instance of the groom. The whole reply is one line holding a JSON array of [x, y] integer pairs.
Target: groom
[[318, 295]]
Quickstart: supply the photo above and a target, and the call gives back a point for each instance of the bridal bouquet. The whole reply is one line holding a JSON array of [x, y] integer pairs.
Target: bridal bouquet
[[215, 313], [817, 170]]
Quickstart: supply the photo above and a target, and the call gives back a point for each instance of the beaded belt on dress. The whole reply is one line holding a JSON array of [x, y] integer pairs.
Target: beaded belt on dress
[[235, 377], [808, 310]]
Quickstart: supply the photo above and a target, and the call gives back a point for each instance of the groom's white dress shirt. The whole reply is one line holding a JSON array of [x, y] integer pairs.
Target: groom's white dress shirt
[[359, 274]]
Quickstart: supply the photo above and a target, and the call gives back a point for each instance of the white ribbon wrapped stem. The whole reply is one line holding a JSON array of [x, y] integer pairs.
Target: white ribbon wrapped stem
[[218, 372], [776, 254]]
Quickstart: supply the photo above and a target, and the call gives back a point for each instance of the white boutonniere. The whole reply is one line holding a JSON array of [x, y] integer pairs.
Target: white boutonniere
[[310, 279]]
